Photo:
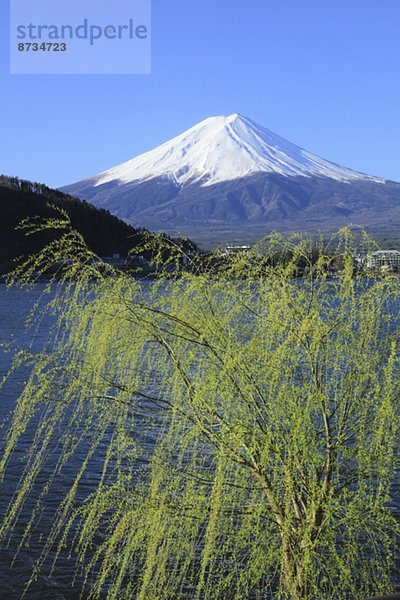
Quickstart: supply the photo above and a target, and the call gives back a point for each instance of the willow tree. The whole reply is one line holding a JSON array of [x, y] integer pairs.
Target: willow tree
[[247, 423]]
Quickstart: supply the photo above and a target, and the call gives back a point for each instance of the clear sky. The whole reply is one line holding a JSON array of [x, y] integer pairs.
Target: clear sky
[[324, 74]]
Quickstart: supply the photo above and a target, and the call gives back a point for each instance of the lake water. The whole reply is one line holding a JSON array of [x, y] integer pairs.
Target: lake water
[[15, 305]]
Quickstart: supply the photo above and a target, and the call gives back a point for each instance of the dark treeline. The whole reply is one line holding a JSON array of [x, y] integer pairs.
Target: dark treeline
[[107, 235], [104, 233]]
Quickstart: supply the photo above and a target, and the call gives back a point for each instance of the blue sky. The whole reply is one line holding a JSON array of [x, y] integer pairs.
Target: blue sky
[[323, 74]]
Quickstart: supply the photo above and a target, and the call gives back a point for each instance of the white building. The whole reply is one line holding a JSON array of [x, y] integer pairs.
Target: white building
[[229, 250], [384, 260]]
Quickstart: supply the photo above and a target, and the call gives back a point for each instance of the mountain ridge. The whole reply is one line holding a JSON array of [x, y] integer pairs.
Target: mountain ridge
[[20, 199], [223, 148], [230, 172]]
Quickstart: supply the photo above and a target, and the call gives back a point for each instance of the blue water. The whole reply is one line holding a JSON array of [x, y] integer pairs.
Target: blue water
[[15, 570], [15, 305]]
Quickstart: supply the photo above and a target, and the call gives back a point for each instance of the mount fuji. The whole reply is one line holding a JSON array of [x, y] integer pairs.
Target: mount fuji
[[228, 177]]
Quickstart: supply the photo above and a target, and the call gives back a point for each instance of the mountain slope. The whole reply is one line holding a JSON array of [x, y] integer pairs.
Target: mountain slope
[[230, 173], [221, 149], [104, 233]]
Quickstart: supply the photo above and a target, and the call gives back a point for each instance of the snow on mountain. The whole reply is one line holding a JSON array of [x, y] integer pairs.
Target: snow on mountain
[[229, 178], [224, 148]]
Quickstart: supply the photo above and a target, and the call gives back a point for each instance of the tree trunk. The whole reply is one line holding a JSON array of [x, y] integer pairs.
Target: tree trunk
[[296, 575]]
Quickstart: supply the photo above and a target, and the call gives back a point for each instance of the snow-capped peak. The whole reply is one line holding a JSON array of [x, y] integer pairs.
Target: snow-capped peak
[[224, 148]]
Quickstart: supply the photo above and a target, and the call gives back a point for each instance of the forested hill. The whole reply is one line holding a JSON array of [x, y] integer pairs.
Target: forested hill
[[104, 233]]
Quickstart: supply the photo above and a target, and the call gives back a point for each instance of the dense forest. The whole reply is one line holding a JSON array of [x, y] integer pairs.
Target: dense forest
[[104, 233]]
